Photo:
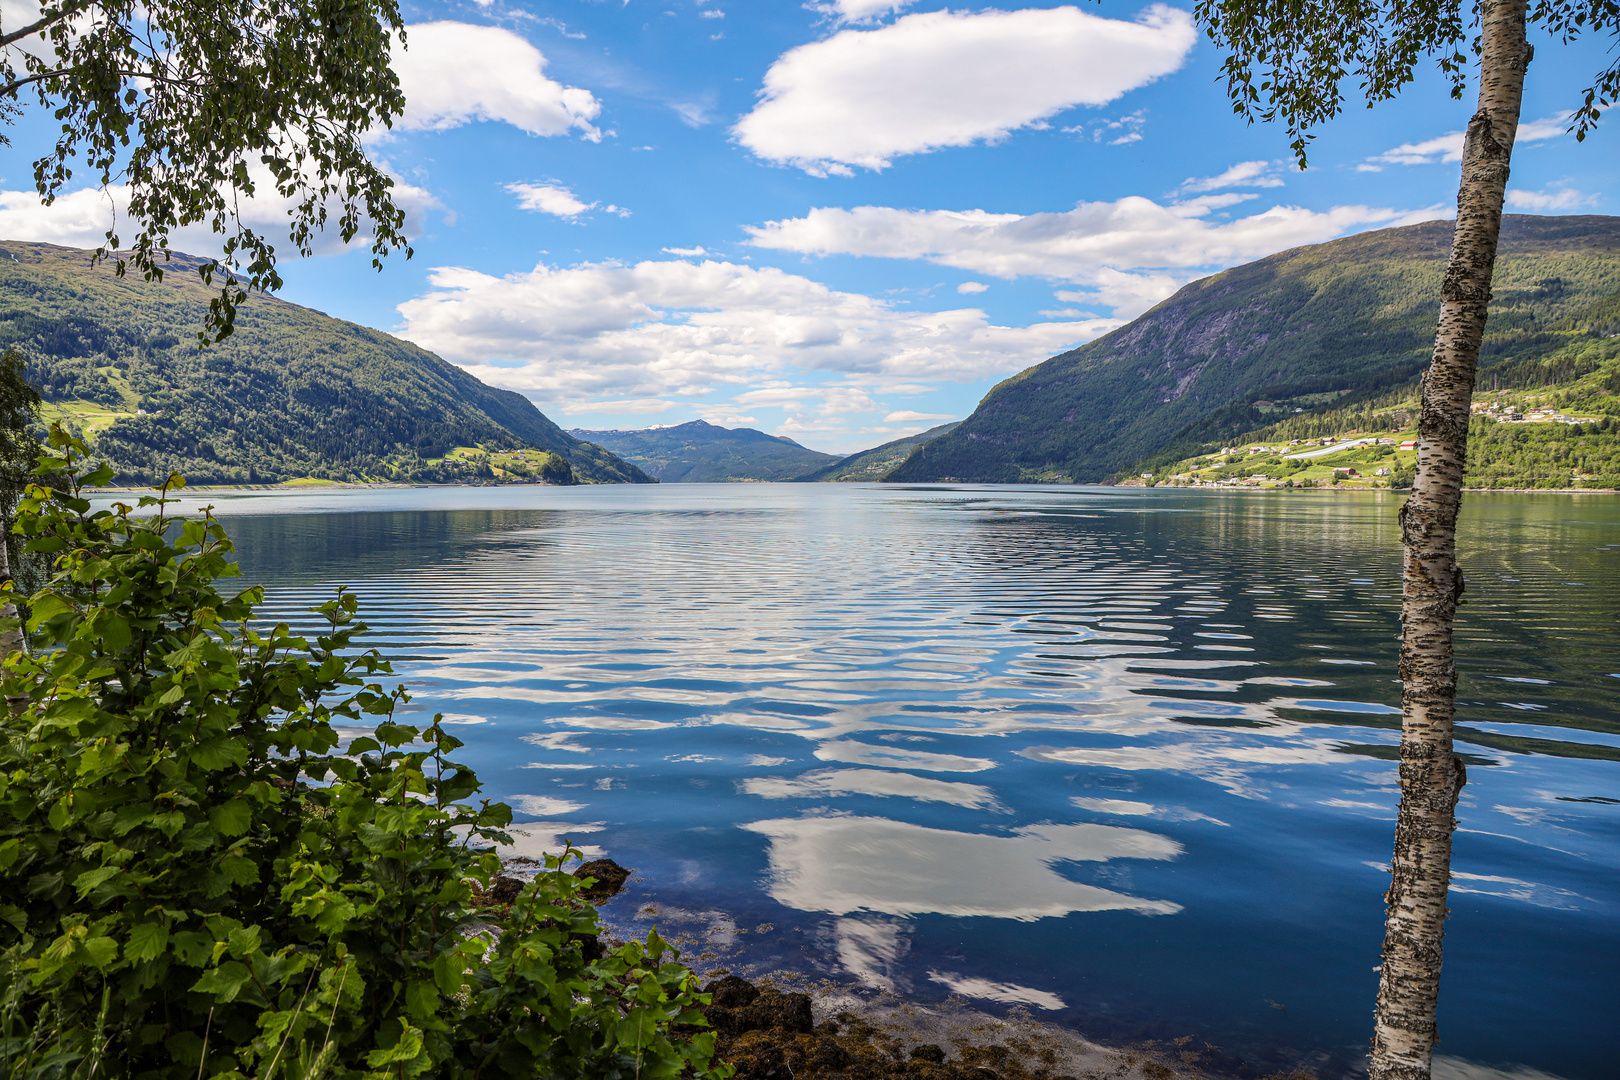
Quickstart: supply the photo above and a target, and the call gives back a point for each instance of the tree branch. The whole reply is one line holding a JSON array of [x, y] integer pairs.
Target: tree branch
[[49, 20], [7, 89]]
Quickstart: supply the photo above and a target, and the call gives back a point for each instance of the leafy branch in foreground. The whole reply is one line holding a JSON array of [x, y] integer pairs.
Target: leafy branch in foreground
[[187, 112], [198, 879]]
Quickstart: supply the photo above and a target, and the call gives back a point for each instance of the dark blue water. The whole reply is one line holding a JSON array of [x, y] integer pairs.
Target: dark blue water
[[1123, 757]]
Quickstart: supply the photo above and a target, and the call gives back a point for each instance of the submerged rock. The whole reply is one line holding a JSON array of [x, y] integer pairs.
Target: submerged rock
[[504, 890], [739, 1006], [609, 878], [767, 1034]]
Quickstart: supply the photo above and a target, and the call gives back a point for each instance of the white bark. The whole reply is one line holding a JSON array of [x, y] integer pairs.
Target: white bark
[[1431, 775]]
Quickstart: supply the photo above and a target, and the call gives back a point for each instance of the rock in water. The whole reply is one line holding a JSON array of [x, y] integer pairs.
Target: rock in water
[[504, 890], [761, 1063], [609, 879], [731, 992], [739, 1006]]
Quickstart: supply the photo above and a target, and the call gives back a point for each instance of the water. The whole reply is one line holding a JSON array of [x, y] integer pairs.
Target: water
[[1121, 756]]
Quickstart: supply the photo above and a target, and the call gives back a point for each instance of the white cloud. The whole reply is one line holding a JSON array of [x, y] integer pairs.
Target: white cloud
[[1243, 174], [677, 328], [727, 419], [1120, 132], [972, 287], [860, 10], [1448, 148], [454, 73], [1551, 199], [942, 78], [693, 113], [713, 13], [686, 253], [555, 199], [1548, 127], [906, 416], [549, 199], [639, 406], [831, 400], [81, 219], [1126, 251]]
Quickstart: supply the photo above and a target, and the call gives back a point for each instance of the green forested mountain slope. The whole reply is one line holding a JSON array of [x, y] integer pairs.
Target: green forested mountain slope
[[1319, 327], [293, 393], [702, 453], [878, 462], [1549, 425]]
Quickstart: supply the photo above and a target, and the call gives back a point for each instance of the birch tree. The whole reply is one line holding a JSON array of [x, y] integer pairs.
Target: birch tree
[[190, 109], [1289, 61]]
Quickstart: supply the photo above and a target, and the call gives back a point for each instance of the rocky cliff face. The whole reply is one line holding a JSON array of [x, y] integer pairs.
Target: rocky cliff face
[[1303, 329]]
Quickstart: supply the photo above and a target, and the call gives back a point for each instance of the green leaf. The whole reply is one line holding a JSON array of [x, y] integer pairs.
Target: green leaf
[[115, 635], [193, 947], [391, 734], [91, 878], [421, 999], [98, 952], [45, 607], [232, 818], [404, 1051], [146, 941], [224, 982], [219, 753]]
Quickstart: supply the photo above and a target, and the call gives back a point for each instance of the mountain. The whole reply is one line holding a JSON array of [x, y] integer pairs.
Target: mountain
[[697, 452], [1547, 425], [293, 393], [878, 462], [1316, 328]]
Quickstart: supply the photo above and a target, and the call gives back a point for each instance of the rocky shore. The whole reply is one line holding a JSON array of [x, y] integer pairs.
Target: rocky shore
[[790, 1026]]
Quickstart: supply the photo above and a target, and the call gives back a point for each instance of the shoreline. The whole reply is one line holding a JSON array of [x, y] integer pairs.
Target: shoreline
[[383, 485], [789, 1024], [1346, 489]]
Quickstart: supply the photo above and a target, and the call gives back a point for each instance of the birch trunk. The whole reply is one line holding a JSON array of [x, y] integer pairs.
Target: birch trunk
[[1431, 775]]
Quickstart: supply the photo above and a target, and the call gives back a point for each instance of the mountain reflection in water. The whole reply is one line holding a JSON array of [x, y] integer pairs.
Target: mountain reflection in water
[[1126, 757]]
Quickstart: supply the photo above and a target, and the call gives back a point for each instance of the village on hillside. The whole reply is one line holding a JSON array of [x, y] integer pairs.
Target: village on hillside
[[1366, 459]]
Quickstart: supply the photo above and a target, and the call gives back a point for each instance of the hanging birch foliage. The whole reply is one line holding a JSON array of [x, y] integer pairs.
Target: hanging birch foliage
[[191, 109]]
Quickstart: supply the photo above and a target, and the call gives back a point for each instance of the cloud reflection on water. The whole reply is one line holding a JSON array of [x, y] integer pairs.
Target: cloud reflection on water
[[830, 783], [847, 864]]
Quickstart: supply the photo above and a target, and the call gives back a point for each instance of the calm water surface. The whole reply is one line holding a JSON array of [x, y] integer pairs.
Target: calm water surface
[[1122, 757]]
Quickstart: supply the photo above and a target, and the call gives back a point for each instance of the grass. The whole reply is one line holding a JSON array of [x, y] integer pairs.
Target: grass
[[86, 419]]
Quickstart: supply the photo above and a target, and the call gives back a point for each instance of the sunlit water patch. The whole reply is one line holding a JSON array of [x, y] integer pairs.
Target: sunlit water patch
[[1125, 758]]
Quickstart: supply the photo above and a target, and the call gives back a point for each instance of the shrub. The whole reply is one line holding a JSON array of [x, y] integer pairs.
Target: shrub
[[198, 879]]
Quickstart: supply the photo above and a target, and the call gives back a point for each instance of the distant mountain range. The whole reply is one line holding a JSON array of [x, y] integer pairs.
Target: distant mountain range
[[292, 394], [698, 452], [878, 462], [1332, 327], [1313, 341]]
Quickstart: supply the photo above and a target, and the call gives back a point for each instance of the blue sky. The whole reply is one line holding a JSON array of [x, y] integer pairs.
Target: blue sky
[[840, 222]]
